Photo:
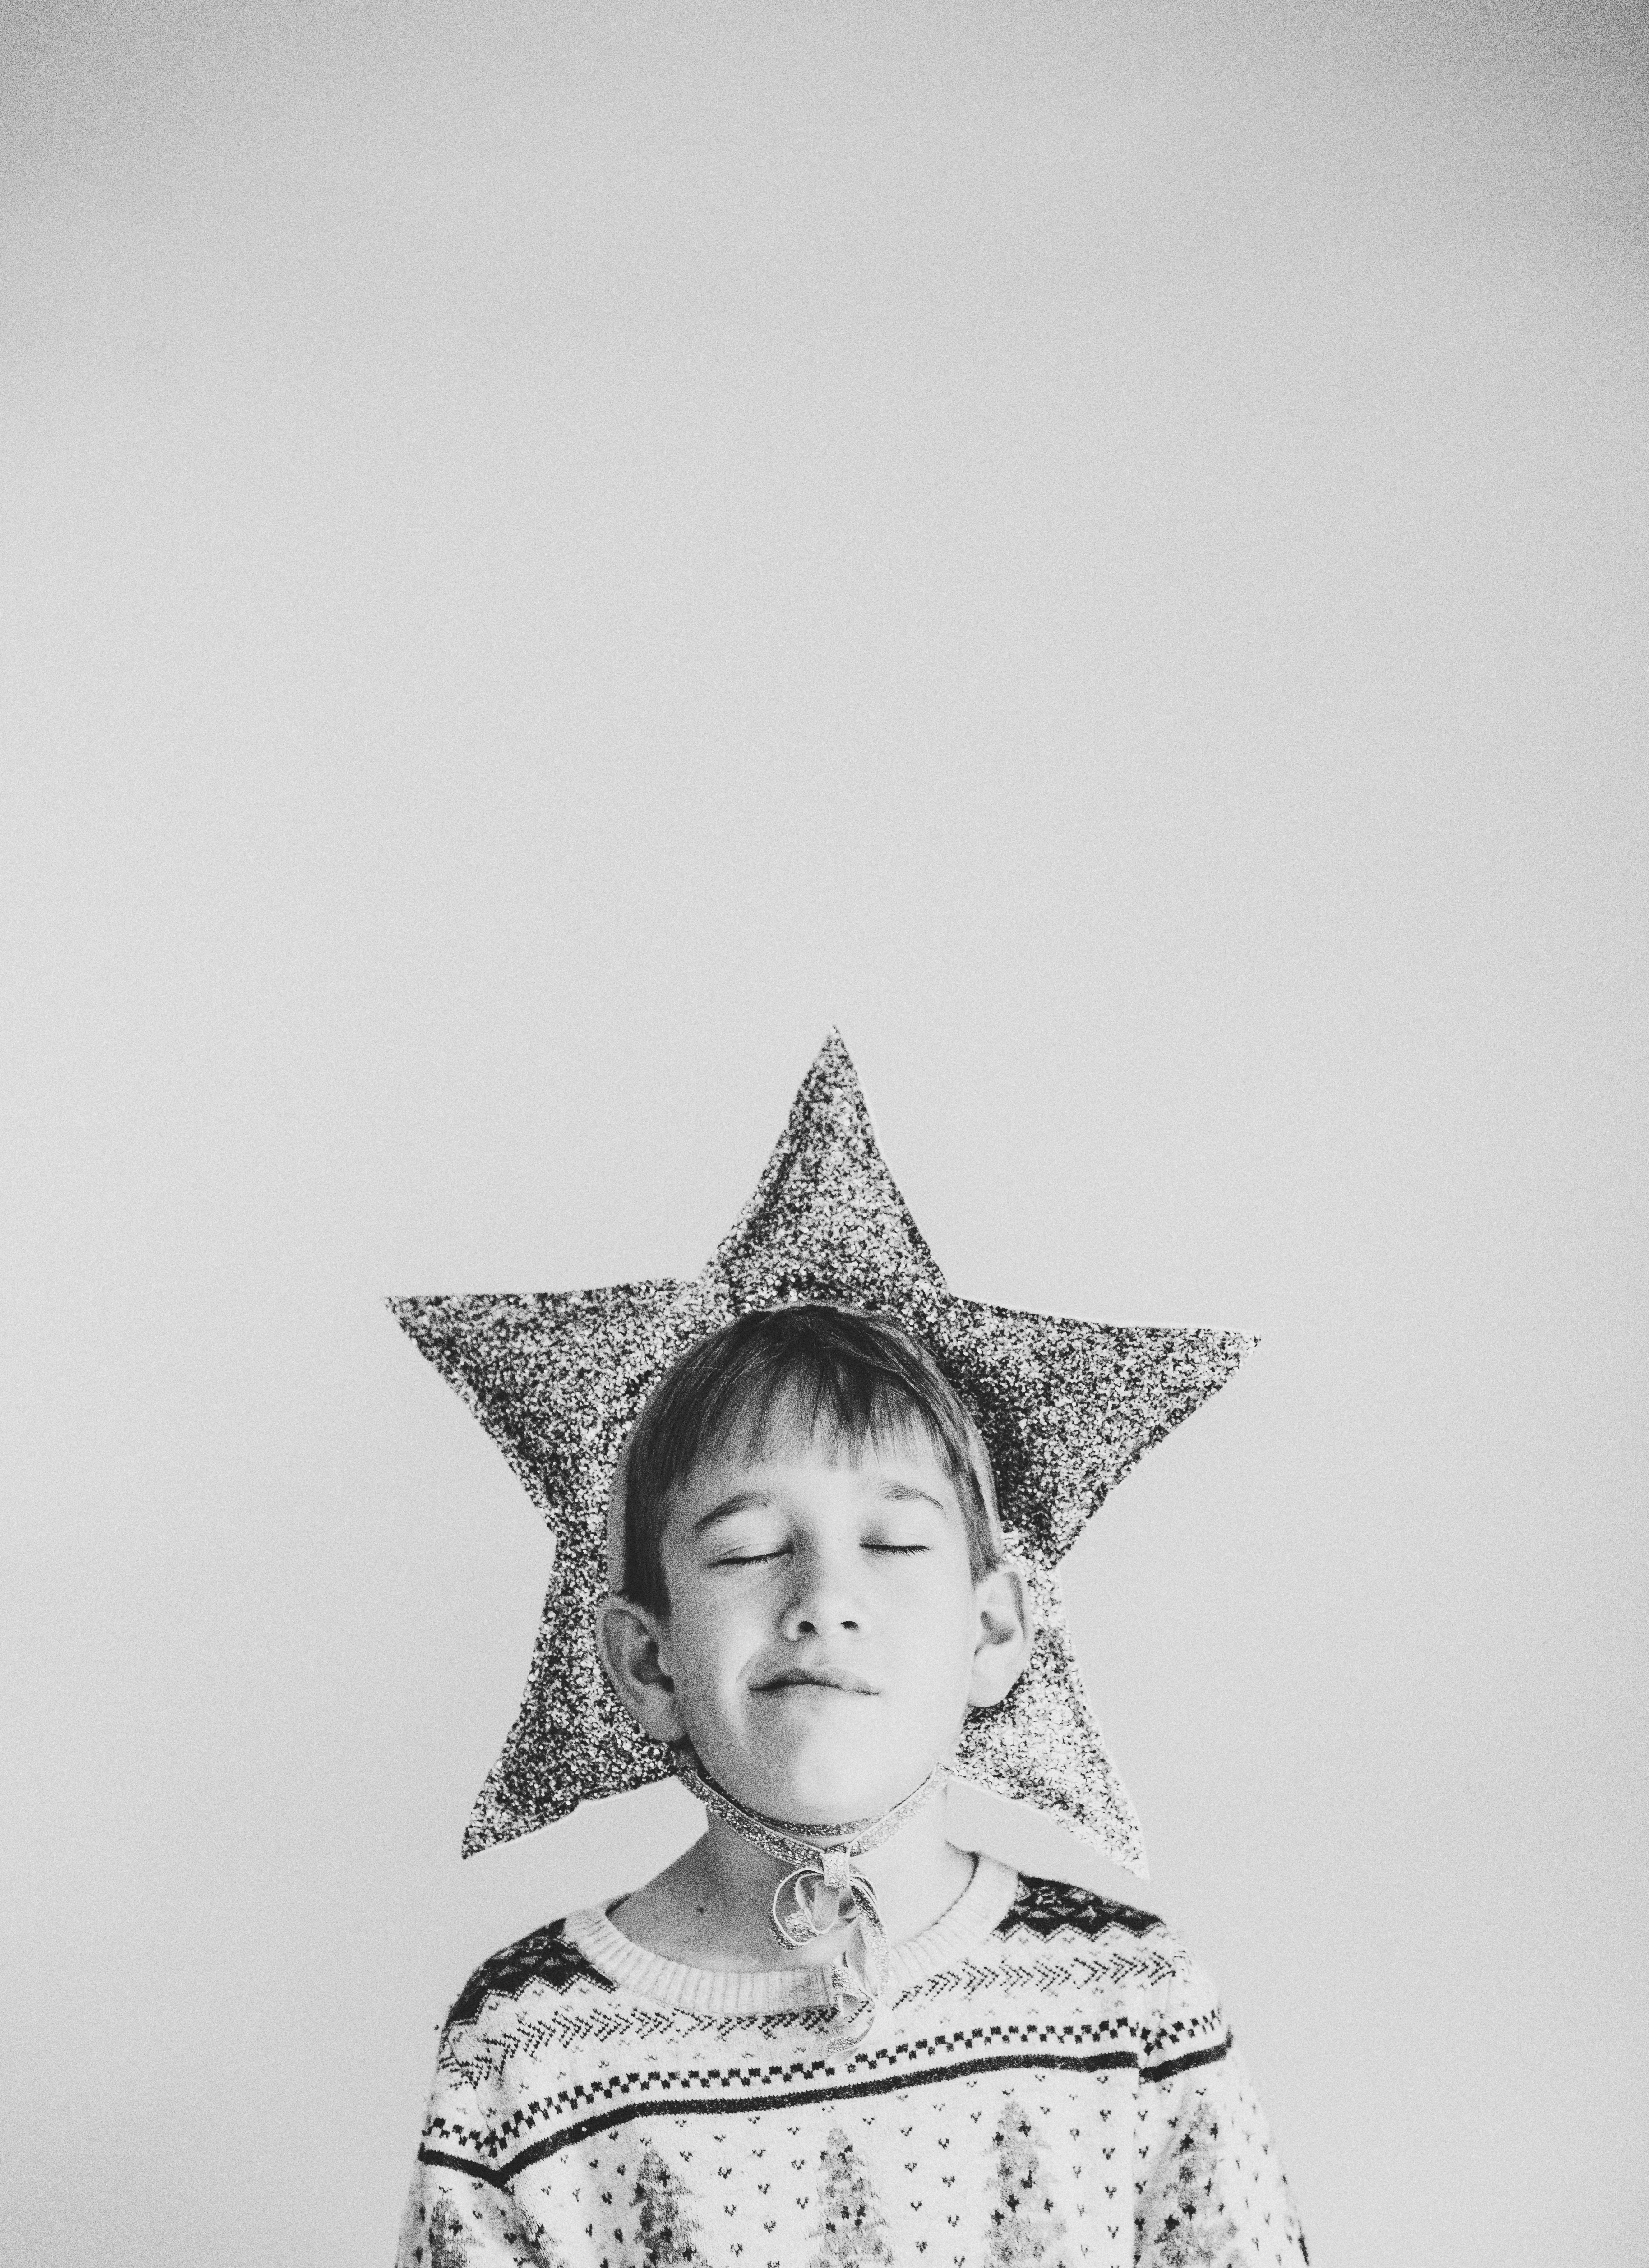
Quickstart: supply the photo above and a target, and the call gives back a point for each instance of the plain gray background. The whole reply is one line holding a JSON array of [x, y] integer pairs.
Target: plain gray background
[[552, 551]]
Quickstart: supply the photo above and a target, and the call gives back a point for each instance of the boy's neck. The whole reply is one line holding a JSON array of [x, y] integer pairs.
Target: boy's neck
[[711, 1909]]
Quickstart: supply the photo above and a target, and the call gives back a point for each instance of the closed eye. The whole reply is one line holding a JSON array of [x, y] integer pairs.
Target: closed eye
[[761, 1559]]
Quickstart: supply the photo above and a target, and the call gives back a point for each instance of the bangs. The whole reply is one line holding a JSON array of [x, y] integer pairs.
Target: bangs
[[844, 1407]]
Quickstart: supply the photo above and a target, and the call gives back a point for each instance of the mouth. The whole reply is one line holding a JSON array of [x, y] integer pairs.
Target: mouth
[[836, 1680]]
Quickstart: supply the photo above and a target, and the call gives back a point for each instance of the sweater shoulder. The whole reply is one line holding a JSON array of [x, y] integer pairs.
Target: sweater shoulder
[[1045, 1908], [1097, 1944], [544, 1957]]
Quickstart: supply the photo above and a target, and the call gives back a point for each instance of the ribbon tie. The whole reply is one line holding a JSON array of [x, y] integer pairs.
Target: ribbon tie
[[823, 1890]]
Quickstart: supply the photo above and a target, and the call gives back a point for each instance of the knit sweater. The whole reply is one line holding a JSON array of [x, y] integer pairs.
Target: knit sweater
[[1052, 2082]]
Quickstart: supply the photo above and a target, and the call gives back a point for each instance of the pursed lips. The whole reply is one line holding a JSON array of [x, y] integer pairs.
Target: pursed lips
[[839, 1681]]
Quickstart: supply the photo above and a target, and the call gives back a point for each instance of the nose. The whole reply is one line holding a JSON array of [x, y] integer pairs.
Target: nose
[[822, 1598]]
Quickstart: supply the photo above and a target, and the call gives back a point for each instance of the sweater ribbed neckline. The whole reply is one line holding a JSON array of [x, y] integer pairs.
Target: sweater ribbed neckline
[[760, 1992]]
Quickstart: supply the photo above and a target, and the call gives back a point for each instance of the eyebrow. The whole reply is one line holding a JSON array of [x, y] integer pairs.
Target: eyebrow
[[901, 1492], [741, 1500]]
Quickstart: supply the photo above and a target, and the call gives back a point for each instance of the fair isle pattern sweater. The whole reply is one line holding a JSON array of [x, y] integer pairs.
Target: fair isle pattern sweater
[[1052, 2086]]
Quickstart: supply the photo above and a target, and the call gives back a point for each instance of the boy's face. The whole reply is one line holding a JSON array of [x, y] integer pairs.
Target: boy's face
[[826, 1633]]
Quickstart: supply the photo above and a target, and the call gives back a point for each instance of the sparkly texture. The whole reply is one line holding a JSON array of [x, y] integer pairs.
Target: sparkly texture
[[1065, 1409]]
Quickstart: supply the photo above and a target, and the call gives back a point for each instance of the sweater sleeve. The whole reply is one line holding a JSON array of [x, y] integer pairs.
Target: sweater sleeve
[[453, 2221], [455, 2216], [1210, 2191]]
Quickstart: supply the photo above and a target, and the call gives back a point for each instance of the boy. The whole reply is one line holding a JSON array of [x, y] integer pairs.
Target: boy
[[827, 2036]]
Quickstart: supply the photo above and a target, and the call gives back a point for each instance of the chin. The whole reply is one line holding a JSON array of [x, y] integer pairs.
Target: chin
[[817, 1791]]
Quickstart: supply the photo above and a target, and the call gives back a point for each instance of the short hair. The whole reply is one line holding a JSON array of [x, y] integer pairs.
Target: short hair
[[852, 1375]]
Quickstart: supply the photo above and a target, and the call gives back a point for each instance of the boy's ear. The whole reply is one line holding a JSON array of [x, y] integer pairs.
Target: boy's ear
[[1007, 1629], [629, 1641]]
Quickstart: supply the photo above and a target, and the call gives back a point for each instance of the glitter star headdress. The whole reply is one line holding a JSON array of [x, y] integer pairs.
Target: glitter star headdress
[[1065, 1408]]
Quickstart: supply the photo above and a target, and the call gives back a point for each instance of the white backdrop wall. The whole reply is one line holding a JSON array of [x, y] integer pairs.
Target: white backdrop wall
[[550, 553]]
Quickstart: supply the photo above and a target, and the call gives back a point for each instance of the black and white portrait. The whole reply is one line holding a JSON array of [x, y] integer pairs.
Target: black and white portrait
[[824, 987]]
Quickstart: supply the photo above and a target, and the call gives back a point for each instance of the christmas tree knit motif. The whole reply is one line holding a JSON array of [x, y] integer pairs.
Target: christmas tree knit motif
[[546, 2252], [1197, 2232], [449, 2241], [1026, 2226], [852, 2230], [667, 2230]]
